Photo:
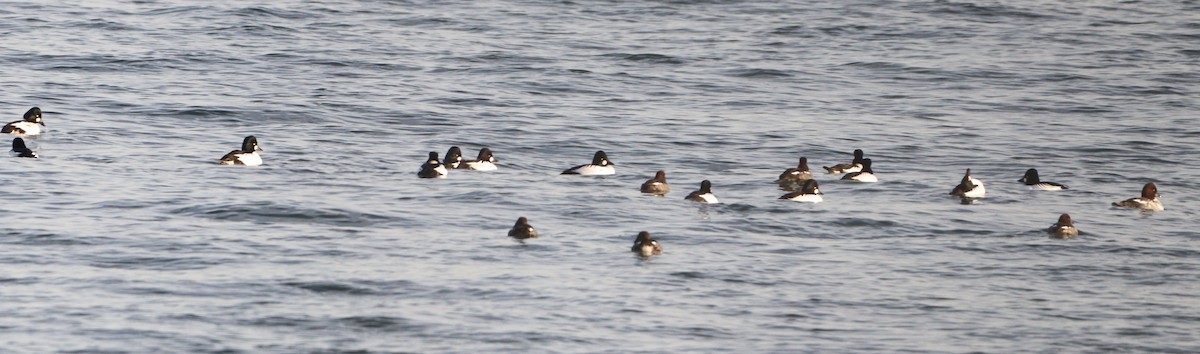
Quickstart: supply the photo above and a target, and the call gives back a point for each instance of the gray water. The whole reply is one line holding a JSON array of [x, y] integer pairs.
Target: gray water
[[126, 236]]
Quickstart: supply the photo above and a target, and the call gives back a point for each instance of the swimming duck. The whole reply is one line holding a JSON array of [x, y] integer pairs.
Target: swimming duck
[[810, 193], [657, 185], [1148, 201], [31, 124], [454, 158], [599, 166], [796, 175], [646, 246], [969, 187], [704, 194], [248, 155], [433, 168], [1064, 228], [854, 165], [522, 229], [863, 175], [485, 161], [1033, 182], [19, 149]]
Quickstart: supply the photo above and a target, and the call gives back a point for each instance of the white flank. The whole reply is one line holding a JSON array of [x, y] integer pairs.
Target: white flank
[[978, 191], [856, 168], [1149, 204], [29, 128], [865, 177], [808, 198], [1045, 187], [481, 165], [251, 159], [595, 170]]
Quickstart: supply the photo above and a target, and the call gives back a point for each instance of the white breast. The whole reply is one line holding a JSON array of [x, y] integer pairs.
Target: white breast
[[808, 198], [1150, 204], [29, 127], [857, 167], [251, 159], [865, 177], [481, 165], [595, 170], [1045, 187], [978, 191]]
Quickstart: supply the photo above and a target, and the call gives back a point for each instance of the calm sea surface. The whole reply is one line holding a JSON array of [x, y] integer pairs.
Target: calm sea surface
[[127, 237]]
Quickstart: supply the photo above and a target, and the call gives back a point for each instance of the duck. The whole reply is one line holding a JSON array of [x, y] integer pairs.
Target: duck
[[1148, 201], [645, 245], [19, 149], [796, 175], [969, 187], [248, 155], [657, 185], [854, 165], [31, 124], [809, 193], [1032, 181], [863, 175], [704, 194], [454, 158], [1064, 228], [522, 229], [433, 168], [484, 162], [600, 166]]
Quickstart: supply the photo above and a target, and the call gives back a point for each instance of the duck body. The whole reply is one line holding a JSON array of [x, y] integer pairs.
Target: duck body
[[600, 166], [30, 124], [704, 194], [484, 162], [20, 150], [646, 246], [1064, 228], [809, 193], [657, 185], [795, 176], [1148, 201], [247, 155], [854, 165], [522, 230], [433, 167], [866, 174], [1033, 182], [969, 187]]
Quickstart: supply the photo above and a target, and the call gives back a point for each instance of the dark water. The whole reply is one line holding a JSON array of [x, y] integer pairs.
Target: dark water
[[127, 237]]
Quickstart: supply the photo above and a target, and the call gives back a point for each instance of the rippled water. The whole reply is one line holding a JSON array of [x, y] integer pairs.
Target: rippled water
[[126, 236]]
